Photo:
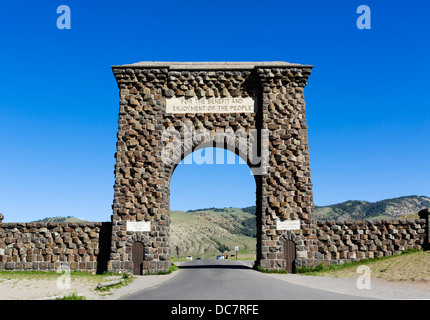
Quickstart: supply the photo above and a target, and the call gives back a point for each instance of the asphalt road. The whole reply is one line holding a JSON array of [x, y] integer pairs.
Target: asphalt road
[[229, 280]]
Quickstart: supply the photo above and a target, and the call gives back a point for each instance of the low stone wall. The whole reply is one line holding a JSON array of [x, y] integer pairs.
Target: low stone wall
[[347, 241], [46, 246], [87, 246]]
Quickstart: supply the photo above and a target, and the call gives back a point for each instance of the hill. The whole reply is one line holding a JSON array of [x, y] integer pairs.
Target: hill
[[385, 209], [60, 219], [208, 232]]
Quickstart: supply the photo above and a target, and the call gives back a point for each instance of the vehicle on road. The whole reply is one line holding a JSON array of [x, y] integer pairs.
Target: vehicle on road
[[219, 257], [189, 257]]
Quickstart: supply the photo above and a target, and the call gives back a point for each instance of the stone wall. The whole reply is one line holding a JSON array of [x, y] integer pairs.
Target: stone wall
[[363, 239], [45, 246], [86, 246]]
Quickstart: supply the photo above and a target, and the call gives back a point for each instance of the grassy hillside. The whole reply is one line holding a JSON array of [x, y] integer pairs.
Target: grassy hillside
[[384, 209], [206, 233], [60, 219]]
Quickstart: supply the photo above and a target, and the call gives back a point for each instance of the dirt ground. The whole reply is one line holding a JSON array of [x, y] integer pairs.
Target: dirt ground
[[408, 268], [17, 287]]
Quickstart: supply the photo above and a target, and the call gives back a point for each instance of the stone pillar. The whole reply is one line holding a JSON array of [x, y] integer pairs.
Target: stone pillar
[[425, 214], [141, 198], [287, 187]]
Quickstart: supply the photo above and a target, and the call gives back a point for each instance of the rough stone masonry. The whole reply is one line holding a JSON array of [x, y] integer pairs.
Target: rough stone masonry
[[142, 179], [231, 100]]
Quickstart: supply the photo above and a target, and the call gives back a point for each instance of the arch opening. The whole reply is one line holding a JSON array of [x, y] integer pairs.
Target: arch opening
[[213, 206]]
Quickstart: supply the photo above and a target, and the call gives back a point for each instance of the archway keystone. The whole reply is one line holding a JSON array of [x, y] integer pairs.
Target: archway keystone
[[170, 109]]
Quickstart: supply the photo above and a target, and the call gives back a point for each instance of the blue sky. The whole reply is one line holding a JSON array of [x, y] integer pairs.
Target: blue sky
[[367, 97]]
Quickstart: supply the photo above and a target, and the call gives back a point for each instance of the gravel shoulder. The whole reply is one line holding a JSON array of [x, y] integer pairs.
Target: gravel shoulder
[[378, 289]]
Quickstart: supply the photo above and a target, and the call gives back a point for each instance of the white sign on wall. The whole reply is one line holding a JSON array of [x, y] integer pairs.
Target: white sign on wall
[[139, 226], [211, 105], [288, 225]]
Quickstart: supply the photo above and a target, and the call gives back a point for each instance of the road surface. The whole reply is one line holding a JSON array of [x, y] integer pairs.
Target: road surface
[[229, 280]]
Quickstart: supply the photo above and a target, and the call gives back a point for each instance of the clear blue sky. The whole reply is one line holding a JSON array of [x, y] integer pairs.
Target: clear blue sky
[[368, 106]]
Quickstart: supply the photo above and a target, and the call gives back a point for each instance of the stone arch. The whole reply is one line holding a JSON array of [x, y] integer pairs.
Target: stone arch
[[262, 97], [289, 235], [137, 237], [237, 143]]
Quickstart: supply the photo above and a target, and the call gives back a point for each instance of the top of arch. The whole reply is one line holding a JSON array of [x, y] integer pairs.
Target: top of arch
[[218, 65]]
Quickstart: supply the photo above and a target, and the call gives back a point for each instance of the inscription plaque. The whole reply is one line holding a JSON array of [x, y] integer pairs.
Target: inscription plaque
[[288, 225], [211, 105], [139, 226]]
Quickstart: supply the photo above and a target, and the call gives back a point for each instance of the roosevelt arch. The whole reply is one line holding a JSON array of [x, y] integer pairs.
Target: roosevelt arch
[[273, 103]]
